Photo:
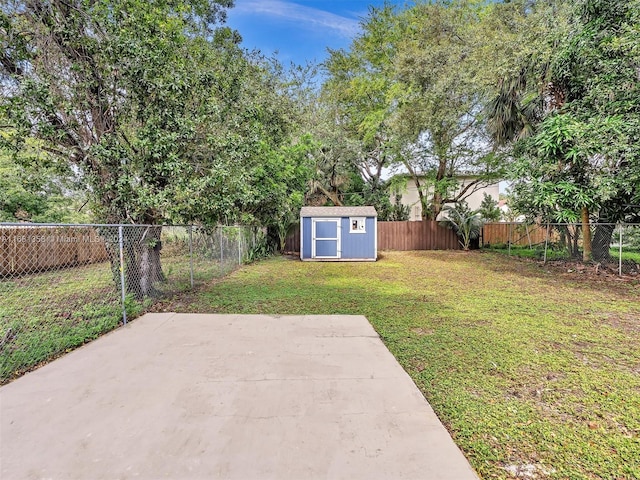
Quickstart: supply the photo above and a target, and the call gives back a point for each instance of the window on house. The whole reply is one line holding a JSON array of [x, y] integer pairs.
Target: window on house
[[357, 225]]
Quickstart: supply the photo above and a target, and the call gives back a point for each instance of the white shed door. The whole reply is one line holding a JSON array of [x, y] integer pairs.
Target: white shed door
[[325, 238]]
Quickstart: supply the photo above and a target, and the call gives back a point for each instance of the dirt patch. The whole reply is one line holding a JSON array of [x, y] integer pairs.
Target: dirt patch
[[629, 323], [568, 272], [418, 365], [608, 271], [423, 331]]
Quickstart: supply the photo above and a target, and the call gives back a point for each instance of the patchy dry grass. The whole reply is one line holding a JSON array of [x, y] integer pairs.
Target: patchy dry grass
[[535, 374]]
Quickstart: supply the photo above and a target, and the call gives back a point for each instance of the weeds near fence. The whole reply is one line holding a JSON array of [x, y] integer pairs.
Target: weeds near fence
[[57, 292]]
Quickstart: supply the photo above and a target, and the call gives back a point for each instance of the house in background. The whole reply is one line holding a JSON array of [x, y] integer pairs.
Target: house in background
[[338, 234], [473, 197]]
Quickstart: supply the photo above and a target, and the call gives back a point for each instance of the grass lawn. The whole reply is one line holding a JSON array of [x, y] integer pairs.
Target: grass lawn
[[627, 255], [535, 374]]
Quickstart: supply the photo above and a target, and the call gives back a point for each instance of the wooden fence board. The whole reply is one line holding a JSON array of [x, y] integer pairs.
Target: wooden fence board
[[401, 236], [292, 243], [424, 235], [33, 249], [516, 233]]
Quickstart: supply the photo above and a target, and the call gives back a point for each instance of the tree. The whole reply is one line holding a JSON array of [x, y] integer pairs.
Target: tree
[[155, 108], [557, 166], [598, 70], [489, 210], [411, 89], [335, 173], [577, 163], [106, 85], [359, 94], [464, 221], [442, 65]]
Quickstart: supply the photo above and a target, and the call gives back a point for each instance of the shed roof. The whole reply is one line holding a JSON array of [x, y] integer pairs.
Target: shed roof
[[368, 211]]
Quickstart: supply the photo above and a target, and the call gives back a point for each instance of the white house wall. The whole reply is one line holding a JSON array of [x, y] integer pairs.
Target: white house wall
[[410, 198]]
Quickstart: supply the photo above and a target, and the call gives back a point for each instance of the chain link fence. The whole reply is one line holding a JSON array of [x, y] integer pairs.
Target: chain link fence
[[64, 285], [614, 247]]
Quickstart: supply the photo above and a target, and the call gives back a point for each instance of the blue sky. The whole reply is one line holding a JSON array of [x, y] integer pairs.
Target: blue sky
[[300, 30]]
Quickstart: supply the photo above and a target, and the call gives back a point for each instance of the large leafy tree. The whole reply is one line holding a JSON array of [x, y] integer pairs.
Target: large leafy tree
[[411, 89], [359, 94], [159, 111], [445, 81], [35, 187], [106, 85], [599, 70], [578, 161]]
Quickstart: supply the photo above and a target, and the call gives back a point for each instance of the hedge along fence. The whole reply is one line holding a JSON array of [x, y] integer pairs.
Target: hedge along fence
[[38, 249]]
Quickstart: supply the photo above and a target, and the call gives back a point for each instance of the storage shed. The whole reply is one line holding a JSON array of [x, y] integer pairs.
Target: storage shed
[[338, 234]]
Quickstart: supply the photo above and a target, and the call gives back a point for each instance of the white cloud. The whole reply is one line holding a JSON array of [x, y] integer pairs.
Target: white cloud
[[311, 17]]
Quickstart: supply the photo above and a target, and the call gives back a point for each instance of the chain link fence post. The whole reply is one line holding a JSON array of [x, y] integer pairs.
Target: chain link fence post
[[546, 243], [191, 254], [221, 250], [620, 252], [509, 241], [122, 285]]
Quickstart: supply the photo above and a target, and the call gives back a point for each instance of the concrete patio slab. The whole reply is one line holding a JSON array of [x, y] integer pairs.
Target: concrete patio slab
[[188, 396]]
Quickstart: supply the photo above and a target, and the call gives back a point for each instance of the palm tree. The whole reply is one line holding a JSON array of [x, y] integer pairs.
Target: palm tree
[[464, 221]]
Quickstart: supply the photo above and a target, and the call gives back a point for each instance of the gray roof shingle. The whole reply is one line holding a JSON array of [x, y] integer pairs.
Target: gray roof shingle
[[368, 211]]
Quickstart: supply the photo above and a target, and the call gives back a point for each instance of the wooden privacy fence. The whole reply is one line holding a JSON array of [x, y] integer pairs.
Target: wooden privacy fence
[[513, 232], [425, 235], [36, 249], [292, 244]]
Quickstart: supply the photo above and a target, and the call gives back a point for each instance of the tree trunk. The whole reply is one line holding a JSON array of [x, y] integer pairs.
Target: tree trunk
[[333, 196], [142, 265], [569, 239], [436, 205], [575, 250], [146, 266], [441, 148], [586, 234], [601, 242], [424, 210]]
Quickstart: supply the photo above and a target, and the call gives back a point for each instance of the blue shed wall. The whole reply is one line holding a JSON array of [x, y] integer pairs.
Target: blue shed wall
[[306, 237], [358, 245], [352, 245]]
